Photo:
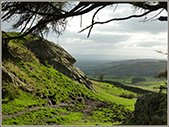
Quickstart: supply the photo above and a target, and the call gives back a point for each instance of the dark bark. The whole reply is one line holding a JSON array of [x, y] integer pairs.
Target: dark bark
[[5, 50], [51, 13]]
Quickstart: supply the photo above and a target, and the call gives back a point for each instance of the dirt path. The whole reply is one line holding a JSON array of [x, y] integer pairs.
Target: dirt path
[[89, 107], [87, 111], [36, 108]]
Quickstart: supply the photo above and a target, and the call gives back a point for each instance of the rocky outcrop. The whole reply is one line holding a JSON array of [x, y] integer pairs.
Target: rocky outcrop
[[55, 55], [151, 109], [11, 78]]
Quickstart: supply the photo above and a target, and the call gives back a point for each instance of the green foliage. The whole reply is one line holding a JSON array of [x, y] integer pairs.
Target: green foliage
[[129, 96], [111, 89], [22, 102], [162, 73], [101, 76], [110, 113], [41, 83], [66, 119], [78, 107], [34, 118], [138, 79], [9, 91], [129, 103]]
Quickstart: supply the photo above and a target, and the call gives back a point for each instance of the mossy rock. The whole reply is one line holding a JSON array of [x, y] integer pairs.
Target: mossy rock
[[151, 109]]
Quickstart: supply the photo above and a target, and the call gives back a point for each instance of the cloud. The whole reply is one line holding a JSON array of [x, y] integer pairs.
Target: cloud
[[149, 44], [108, 38], [131, 25]]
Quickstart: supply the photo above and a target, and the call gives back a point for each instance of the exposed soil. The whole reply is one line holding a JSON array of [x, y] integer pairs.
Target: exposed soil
[[36, 108], [87, 111], [90, 106]]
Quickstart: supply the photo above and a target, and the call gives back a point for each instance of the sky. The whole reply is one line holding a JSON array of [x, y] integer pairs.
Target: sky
[[117, 40]]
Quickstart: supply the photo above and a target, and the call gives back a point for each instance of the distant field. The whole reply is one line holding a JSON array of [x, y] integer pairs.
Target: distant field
[[111, 93], [126, 79], [151, 83]]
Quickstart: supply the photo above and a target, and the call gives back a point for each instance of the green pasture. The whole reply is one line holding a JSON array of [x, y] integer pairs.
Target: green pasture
[[111, 93]]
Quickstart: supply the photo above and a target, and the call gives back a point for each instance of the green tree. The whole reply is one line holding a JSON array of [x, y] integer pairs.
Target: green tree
[[101, 76]]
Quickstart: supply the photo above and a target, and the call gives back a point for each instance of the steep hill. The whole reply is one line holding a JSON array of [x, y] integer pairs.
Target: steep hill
[[35, 92], [140, 67]]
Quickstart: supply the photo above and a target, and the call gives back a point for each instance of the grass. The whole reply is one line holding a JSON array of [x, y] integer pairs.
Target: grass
[[70, 118], [34, 118], [111, 89], [129, 103], [23, 102], [152, 86], [109, 93], [151, 83], [128, 79], [109, 113], [36, 83]]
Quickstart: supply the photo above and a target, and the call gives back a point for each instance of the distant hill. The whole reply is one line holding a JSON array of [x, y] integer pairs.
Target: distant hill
[[137, 67]]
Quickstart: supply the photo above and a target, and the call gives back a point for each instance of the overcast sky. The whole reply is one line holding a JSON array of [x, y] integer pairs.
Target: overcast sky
[[117, 40]]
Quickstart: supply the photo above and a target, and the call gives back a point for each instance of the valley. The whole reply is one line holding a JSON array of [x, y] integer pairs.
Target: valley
[[125, 71]]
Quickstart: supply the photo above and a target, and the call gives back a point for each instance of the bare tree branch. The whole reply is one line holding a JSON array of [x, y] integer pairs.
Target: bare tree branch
[[51, 13], [93, 19], [114, 19], [155, 15]]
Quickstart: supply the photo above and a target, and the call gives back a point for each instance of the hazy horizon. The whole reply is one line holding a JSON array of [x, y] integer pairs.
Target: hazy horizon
[[99, 57]]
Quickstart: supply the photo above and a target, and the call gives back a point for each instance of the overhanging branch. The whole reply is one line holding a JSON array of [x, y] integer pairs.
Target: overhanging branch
[[59, 13], [114, 19]]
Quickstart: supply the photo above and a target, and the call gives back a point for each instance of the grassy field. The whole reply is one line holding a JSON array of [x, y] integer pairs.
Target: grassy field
[[151, 83], [111, 93], [128, 79]]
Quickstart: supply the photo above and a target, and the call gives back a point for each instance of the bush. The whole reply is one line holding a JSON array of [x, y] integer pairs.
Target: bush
[[135, 80], [129, 96]]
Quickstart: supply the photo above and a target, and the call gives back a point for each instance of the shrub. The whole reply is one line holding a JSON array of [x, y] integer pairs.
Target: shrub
[[129, 96], [137, 79]]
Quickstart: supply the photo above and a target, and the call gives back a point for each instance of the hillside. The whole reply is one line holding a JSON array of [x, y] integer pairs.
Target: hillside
[[34, 92], [140, 67]]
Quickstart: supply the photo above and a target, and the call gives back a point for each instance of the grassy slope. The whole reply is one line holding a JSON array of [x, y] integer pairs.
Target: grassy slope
[[45, 85], [112, 93]]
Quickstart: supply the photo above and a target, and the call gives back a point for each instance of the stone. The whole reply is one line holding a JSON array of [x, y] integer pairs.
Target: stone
[[60, 59], [12, 78], [151, 109]]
